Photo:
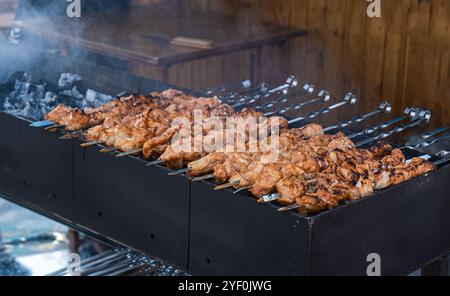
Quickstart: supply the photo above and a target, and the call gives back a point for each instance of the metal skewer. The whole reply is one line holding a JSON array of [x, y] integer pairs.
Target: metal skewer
[[131, 152], [156, 162], [434, 133], [202, 178], [424, 116], [424, 139], [243, 189], [348, 99], [308, 89], [179, 172], [69, 136], [282, 89], [246, 84], [93, 143], [443, 153], [290, 208], [108, 149], [322, 96], [42, 123], [410, 113], [247, 93], [384, 107], [54, 127], [227, 185]]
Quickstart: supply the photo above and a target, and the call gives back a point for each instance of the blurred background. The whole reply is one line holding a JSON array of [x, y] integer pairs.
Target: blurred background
[[404, 55]]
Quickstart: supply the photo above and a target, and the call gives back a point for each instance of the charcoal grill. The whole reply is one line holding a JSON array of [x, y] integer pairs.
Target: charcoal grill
[[205, 231]]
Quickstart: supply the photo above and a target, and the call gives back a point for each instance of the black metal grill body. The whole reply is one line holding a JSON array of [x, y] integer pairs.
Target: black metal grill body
[[407, 225], [209, 232], [140, 206]]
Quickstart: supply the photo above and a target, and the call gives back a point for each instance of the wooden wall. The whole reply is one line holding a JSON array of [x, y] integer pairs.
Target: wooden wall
[[403, 56]]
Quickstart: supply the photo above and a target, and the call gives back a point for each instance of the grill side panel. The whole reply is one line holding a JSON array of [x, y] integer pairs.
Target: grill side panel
[[233, 235], [9, 159], [139, 206], [407, 225]]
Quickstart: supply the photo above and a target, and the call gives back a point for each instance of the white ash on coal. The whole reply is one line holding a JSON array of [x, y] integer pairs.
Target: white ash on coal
[[34, 100]]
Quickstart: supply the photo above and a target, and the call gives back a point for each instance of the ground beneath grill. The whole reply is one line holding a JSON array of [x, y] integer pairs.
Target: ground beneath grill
[[31, 244]]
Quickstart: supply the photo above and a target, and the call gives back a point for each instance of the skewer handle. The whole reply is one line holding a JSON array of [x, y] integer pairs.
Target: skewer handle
[[291, 82], [411, 113], [433, 133], [307, 89], [349, 99], [424, 116], [441, 162], [438, 140], [246, 84], [443, 153], [323, 96], [233, 96], [384, 107]]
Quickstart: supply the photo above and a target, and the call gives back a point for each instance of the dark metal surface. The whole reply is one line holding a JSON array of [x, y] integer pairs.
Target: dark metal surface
[[126, 200], [46, 170], [407, 225], [9, 159], [233, 235]]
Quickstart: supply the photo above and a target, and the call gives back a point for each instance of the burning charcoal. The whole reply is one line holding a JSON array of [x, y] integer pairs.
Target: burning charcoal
[[73, 92], [26, 100], [68, 80], [95, 99]]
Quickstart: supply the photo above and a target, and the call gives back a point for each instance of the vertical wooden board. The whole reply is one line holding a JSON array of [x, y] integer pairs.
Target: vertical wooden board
[[440, 32], [179, 75], [199, 74], [352, 57], [334, 30], [421, 64], [274, 64], [372, 74], [243, 65], [395, 52], [298, 46], [315, 57], [275, 11]]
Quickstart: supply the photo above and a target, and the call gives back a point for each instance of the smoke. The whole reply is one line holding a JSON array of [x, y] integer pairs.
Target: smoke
[[33, 45]]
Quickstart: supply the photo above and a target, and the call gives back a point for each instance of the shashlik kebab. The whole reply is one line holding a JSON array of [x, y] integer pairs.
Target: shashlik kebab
[[339, 158], [149, 134], [333, 182], [309, 200], [73, 119], [283, 123], [306, 155]]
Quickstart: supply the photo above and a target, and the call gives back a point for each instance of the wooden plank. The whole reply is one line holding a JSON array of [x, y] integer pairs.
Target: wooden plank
[[353, 52], [373, 67], [298, 46], [395, 53]]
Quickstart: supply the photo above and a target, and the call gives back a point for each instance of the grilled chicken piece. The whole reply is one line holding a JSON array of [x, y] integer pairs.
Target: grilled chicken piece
[[381, 149], [58, 114], [395, 158], [206, 164], [132, 139], [235, 163], [267, 181], [150, 146], [310, 205], [77, 120], [289, 188]]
